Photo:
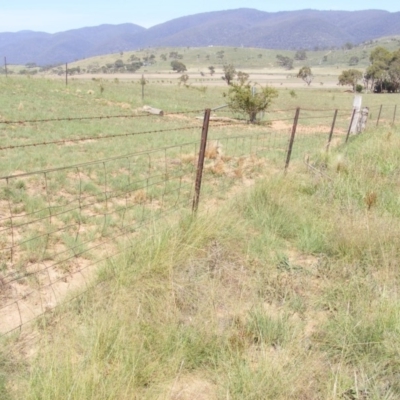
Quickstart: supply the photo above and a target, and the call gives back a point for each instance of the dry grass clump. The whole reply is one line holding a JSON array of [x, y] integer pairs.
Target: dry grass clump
[[213, 150]]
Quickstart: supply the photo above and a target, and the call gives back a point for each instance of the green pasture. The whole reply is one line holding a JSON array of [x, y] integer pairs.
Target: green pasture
[[283, 287]]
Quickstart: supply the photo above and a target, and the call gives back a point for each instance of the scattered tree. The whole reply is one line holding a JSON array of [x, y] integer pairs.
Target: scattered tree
[[384, 71], [175, 55], [300, 55], [119, 64], [134, 66], [243, 99], [350, 77], [212, 70], [229, 73], [285, 62], [354, 60], [183, 79], [306, 75], [242, 77], [220, 54], [178, 66]]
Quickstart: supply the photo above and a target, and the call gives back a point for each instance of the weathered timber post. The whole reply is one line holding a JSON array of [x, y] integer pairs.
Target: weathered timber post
[[357, 102], [292, 136], [200, 163], [332, 129], [351, 124], [379, 115], [362, 121]]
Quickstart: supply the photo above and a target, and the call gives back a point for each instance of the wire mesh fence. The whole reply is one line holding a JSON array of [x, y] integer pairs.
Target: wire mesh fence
[[57, 224]]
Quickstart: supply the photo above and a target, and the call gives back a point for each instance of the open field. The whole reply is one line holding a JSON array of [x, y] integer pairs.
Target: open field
[[262, 281]]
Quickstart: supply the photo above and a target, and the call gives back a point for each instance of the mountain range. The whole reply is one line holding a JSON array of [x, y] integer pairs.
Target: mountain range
[[304, 29]]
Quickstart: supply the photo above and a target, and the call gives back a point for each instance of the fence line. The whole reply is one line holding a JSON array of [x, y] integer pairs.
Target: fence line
[[70, 119], [59, 222]]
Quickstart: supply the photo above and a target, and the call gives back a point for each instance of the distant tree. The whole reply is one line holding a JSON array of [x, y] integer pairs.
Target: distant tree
[[243, 99], [353, 60], [229, 73], [212, 70], [259, 55], [348, 46], [350, 77], [133, 57], [119, 64], [306, 75], [183, 79], [178, 66], [242, 77], [380, 55], [300, 55], [220, 54], [175, 55], [284, 61], [163, 57], [134, 66]]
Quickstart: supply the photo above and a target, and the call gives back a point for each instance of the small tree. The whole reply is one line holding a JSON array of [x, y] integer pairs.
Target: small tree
[[306, 75], [119, 64], [220, 54], [242, 77], [243, 99], [284, 61], [183, 79], [354, 60], [300, 55], [212, 70], [178, 66], [350, 77], [229, 73]]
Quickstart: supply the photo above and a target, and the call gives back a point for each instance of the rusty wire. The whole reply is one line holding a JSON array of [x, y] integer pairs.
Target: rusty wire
[[101, 117], [181, 194], [111, 136]]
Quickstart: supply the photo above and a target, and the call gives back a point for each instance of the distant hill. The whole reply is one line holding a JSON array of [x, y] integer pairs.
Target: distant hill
[[241, 27]]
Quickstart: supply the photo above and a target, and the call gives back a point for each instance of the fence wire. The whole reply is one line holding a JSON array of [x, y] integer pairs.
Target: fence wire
[[58, 224]]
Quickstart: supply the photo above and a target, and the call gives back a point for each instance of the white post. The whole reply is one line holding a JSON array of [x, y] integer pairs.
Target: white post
[[356, 106]]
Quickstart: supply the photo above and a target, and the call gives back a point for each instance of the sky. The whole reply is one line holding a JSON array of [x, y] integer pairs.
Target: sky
[[56, 16]]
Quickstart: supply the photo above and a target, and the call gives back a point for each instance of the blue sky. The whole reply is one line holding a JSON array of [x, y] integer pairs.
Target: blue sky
[[56, 16]]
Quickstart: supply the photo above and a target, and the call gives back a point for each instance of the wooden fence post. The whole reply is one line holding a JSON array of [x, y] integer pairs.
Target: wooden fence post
[[200, 163], [292, 136], [351, 124], [379, 115], [332, 129]]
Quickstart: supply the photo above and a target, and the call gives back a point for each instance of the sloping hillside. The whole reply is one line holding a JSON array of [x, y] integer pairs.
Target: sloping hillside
[[241, 27]]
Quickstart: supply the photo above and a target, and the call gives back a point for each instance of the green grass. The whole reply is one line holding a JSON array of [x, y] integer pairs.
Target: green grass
[[287, 291]]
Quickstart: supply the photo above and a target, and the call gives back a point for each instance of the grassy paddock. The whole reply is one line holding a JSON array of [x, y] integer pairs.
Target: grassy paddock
[[290, 291]]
